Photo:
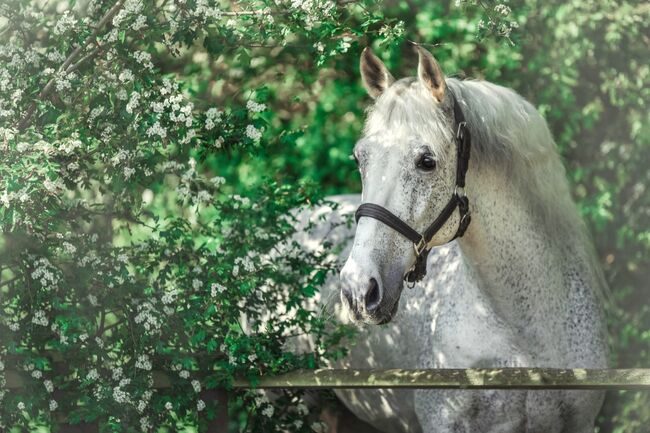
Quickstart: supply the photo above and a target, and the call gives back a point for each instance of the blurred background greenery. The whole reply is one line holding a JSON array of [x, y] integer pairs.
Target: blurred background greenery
[[583, 64]]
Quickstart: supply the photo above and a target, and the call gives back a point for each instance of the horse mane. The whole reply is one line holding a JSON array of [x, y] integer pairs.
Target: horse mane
[[509, 135]]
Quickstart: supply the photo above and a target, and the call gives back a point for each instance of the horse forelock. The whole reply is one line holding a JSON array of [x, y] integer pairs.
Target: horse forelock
[[406, 110]]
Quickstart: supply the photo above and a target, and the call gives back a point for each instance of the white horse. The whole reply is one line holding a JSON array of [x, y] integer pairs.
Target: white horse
[[520, 288]]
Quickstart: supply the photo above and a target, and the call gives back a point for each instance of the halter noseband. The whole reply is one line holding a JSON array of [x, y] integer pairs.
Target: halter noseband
[[458, 199]]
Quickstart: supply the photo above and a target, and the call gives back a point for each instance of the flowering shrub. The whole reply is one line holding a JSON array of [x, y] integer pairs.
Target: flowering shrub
[[134, 279]]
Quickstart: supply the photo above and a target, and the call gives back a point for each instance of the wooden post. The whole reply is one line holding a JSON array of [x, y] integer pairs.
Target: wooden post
[[220, 423]]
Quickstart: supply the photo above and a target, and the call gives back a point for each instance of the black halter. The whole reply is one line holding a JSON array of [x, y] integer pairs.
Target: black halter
[[458, 199]]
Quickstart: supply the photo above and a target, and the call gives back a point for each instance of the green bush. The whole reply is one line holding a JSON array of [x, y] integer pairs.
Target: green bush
[[129, 259]]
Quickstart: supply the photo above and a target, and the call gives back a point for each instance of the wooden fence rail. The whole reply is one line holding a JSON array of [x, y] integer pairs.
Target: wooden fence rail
[[472, 378], [468, 378]]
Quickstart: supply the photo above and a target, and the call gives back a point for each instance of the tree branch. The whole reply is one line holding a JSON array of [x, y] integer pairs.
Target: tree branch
[[67, 64]]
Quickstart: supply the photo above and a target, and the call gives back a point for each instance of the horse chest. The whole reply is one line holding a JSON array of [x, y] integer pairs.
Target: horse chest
[[464, 330]]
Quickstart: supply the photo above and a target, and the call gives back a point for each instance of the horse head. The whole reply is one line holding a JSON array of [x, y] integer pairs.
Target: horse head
[[409, 165]]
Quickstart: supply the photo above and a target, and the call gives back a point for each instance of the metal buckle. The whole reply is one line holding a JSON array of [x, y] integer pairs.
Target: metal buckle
[[463, 219], [460, 191], [461, 126], [419, 247], [463, 224]]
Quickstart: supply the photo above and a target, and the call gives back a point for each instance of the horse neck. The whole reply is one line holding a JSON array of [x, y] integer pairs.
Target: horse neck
[[524, 267]]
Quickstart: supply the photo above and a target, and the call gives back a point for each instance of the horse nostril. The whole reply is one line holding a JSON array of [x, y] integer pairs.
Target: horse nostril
[[373, 296]]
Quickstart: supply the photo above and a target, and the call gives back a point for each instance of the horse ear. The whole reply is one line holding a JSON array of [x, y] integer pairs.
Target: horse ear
[[376, 77], [430, 74]]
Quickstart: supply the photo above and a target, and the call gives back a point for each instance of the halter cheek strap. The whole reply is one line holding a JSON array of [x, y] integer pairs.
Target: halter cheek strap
[[458, 200]]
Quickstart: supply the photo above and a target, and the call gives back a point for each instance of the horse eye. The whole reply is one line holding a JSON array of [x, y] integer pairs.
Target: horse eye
[[426, 162]]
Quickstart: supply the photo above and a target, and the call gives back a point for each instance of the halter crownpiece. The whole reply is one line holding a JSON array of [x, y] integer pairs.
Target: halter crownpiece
[[458, 200]]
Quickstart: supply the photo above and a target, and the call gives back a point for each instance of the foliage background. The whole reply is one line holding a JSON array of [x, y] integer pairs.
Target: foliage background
[[583, 64]]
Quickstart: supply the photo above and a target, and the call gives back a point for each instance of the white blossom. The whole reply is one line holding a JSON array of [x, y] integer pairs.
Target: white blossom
[[268, 411], [143, 362], [69, 248], [253, 133], [93, 300], [145, 424], [200, 405], [203, 196], [54, 56], [213, 117], [169, 297], [216, 289], [117, 373], [40, 318], [255, 107], [65, 23], [218, 180], [144, 58], [502, 9], [246, 262], [53, 405], [157, 129], [63, 81], [261, 400], [313, 11], [126, 75], [139, 23], [204, 11], [344, 44], [5, 198], [133, 103], [120, 396], [130, 8], [319, 427], [122, 95], [302, 409]]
